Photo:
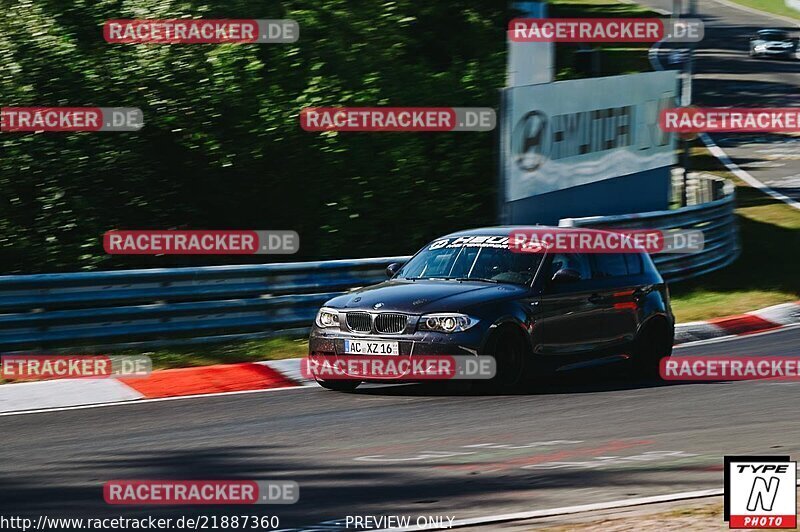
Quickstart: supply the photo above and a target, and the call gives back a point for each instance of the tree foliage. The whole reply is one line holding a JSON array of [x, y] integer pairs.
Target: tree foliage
[[222, 147]]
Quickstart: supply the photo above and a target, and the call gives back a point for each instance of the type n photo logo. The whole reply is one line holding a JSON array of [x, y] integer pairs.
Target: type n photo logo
[[760, 492]]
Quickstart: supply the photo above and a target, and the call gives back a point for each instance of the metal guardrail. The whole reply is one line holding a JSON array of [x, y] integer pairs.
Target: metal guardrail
[[147, 309], [150, 308], [715, 218]]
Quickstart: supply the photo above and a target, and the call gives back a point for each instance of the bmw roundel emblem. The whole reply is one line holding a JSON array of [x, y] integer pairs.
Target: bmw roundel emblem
[[376, 306]]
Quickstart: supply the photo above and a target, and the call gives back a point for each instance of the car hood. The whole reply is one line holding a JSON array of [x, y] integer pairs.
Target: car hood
[[422, 296]]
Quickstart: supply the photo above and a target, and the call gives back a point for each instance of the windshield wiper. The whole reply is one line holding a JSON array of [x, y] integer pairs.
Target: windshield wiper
[[481, 279]]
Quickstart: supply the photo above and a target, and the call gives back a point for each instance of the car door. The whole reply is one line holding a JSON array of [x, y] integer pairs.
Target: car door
[[568, 324]]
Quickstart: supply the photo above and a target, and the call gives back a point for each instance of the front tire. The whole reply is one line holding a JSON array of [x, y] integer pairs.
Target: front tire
[[340, 386], [511, 361]]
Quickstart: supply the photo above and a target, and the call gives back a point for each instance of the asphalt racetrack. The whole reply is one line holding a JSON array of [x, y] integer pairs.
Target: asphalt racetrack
[[585, 438]]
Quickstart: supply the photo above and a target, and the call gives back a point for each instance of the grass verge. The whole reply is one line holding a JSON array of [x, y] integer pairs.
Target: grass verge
[[777, 7], [766, 272], [231, 353], [251, 351]]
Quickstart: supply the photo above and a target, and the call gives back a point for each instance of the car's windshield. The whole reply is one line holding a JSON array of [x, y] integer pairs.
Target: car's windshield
[[773, 35], [478, 258]]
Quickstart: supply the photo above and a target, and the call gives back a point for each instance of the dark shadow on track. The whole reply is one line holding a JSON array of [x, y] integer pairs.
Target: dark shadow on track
[[329, 489], [611, 378]]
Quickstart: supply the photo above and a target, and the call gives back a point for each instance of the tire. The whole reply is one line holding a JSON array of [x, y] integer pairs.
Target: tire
[[339, 386], [653, 344], [512, 361]]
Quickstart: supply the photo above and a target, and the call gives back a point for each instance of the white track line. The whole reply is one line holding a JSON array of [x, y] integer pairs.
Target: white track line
[[566, 510], [155, 400], [712, 147], [723, 157], [730, 337]]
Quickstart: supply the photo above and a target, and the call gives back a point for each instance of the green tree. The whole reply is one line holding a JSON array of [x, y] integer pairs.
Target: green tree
[[222, 146]]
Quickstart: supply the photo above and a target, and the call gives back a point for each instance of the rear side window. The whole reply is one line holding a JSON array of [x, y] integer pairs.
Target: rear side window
[[606, 265], [634, 262]]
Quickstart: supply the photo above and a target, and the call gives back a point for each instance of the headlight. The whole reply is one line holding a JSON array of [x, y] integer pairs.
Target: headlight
[[327, 317], [446, 322], [761, 47]]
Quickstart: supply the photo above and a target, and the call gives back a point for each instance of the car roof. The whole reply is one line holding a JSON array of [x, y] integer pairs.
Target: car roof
[[506, 230]]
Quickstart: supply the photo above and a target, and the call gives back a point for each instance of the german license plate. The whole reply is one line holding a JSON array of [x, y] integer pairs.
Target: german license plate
[[371, 347]]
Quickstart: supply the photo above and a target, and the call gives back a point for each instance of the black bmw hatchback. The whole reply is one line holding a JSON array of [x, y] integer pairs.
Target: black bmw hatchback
[[469, 293]]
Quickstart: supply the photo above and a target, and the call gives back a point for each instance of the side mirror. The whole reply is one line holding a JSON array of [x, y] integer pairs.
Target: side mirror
[[566, 275], [392, 269]]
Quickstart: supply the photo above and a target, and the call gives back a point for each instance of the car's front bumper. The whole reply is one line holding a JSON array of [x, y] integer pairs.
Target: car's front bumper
[[330, 343]]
